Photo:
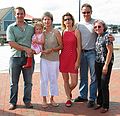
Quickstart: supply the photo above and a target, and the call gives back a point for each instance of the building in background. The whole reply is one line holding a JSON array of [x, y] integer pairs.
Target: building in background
[[6, 18]]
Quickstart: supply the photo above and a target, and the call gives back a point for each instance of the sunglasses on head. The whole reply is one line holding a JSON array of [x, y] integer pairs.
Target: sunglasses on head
[[85, 12], [67, 19], [97, 27]]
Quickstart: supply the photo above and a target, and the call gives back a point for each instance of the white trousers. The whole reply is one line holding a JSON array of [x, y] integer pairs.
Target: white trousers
[[49, 71]]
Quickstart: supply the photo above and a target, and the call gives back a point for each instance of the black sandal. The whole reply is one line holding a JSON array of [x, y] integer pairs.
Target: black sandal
[[97, 107]]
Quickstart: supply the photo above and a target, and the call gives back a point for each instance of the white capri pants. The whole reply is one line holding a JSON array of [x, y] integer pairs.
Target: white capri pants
[[49, 71]]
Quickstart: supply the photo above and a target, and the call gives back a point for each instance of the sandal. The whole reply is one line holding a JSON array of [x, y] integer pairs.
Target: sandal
[[103, 110], [44, 105], [97, 107], [53, 103]]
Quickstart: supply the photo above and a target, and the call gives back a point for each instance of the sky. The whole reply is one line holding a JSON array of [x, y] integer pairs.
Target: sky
[[107, 10]]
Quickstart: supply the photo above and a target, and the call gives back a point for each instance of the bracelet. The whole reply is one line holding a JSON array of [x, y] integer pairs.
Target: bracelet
[[106, 64]]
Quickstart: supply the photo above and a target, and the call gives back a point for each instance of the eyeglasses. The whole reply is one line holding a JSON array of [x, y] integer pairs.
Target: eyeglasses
[[67, 19], [85, 12], [97, 27]]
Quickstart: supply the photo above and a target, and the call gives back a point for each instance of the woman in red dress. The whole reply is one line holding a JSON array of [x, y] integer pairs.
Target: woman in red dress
[[70, 55]]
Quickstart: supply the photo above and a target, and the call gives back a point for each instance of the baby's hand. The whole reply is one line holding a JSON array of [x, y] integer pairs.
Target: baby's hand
[[35, 40]]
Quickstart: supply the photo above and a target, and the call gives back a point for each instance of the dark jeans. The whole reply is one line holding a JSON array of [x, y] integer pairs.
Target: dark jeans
[[15, 69], [103, 84]]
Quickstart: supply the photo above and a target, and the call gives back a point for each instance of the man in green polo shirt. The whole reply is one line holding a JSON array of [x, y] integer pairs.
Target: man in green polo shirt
[[19, 36]]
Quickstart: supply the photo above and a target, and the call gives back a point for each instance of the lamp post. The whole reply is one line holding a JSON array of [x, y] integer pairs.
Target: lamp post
[[79, 10]]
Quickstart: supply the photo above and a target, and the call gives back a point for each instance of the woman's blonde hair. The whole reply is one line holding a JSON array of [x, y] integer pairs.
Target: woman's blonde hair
[[72, 18]]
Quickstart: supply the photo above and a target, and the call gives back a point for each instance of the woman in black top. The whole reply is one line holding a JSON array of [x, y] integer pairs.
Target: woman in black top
[[103, 65]]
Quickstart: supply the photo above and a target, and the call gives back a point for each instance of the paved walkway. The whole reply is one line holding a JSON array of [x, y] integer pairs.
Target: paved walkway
[[78, 109]]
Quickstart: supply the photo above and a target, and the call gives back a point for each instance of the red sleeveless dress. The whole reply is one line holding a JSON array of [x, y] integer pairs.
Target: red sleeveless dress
[[68, 54]]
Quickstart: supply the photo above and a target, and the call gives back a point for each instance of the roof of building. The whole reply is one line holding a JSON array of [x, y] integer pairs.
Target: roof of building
[[3, 11], [27, 16]]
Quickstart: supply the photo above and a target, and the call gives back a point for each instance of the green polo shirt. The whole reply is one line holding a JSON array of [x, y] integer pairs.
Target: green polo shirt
[[21, 36]]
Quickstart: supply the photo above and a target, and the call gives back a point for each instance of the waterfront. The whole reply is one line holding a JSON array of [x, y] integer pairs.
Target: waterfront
[[117, 41]]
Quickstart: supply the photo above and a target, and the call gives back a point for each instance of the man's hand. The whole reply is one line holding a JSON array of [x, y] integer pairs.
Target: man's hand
[[111, 37], [29, 51]]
